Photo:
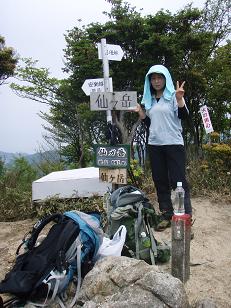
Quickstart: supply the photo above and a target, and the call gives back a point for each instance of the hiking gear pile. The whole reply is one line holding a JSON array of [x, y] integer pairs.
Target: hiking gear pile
[[75, 241], [130, 207], [42, 273]]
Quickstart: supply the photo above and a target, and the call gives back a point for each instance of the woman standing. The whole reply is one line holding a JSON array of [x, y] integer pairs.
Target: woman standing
[[164, 109]]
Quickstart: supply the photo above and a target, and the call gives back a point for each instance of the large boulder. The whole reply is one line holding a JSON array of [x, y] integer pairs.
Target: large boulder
[[121, 282]]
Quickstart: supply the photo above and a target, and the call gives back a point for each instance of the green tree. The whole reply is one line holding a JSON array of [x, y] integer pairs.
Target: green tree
[[8, 61], [2, 167], [184, 42], [20, 175], [71, 125], [219, 94], [15, 190]]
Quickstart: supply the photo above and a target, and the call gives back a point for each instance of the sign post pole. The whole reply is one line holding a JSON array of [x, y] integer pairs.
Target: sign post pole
[[106, 74], [107, 84], [108, 100]]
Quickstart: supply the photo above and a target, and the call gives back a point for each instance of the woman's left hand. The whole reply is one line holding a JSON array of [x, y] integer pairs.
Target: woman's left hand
[[180, 94]]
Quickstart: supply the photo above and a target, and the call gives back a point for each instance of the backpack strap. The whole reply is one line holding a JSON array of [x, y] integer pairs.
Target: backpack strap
[[153, 250], [78, 261], [38, 227], [78, 244], [12, 302], [137, 226]]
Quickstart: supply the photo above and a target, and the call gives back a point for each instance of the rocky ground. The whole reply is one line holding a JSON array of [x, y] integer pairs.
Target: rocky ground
[[210, 270], [210, 253]]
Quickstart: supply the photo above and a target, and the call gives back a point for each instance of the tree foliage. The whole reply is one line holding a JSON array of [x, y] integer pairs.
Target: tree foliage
[[8, 61], [20, 175], [219, 90], [36, 83], [69, 124]]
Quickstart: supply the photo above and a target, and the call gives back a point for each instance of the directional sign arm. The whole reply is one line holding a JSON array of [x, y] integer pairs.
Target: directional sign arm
[[114, 52], [94, 85]]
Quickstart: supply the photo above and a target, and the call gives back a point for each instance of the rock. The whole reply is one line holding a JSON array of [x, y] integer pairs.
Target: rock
[[121, 282], [205, 303]]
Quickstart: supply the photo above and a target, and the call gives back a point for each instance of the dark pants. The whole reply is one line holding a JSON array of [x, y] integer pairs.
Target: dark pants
[[168, 168]]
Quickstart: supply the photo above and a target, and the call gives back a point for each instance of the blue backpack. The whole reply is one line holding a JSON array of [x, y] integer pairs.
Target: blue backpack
[[43, 272]]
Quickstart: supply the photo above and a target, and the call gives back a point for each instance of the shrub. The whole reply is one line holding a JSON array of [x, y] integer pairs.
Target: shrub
[[135, 173], [215, 137], [55, 204], [211, 175], [15, 190], [15, 204], [218, 156]]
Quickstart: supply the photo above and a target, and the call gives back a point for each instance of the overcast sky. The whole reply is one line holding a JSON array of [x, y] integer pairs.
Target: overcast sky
[[36, 28]]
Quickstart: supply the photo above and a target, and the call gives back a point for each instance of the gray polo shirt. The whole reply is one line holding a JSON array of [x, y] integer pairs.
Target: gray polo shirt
[[165, 128]]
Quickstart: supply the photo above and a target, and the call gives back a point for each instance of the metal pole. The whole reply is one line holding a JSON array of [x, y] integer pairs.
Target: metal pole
[[106, 74]]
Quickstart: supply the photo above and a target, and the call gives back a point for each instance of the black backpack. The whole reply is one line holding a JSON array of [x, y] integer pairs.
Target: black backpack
[[43, 272]]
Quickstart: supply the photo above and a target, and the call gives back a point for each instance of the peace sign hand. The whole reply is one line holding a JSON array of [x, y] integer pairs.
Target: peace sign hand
[[180, 94]]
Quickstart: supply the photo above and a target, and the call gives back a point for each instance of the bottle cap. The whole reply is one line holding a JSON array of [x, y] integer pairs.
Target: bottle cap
[[179, 184]]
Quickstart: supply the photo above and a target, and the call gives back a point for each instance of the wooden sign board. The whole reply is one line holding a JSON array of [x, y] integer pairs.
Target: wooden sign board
[[125, 100], [114, 176]]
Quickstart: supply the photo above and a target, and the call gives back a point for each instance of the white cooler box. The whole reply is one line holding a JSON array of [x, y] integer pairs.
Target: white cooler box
[[83, 182]]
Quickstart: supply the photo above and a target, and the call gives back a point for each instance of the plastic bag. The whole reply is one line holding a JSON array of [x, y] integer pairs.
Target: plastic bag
[[114, 246]]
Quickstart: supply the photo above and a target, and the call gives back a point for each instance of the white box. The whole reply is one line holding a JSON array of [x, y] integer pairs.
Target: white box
[[83, 182]]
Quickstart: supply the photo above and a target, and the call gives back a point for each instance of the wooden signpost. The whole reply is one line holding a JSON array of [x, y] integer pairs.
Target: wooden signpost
[[112, 160]]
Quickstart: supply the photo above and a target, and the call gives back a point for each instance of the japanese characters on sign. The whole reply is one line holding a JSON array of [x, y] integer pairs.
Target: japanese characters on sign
[[125, 100], [114, 176], [94, 85], [113, 52], [117, 156], [206, 119]]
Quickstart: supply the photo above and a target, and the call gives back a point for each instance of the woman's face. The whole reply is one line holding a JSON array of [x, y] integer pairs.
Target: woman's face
[[158, 82]]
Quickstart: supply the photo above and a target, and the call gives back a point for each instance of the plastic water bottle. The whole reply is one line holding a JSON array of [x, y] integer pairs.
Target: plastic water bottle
[[181, 230], [179, 200], [146, 243]]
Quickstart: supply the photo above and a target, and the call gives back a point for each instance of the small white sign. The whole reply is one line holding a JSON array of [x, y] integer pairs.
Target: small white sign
[[206, 119], [125, 100], [113, 52], [94, 85]]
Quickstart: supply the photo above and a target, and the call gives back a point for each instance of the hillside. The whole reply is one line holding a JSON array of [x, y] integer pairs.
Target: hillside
[[9, 158]]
